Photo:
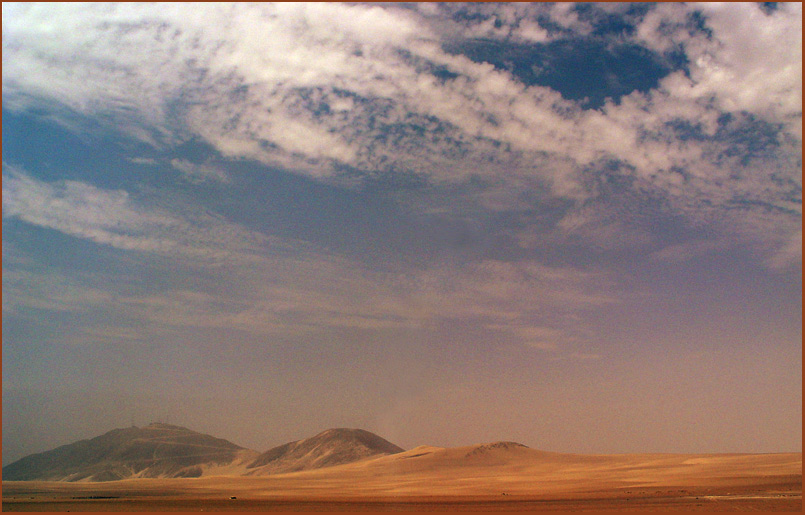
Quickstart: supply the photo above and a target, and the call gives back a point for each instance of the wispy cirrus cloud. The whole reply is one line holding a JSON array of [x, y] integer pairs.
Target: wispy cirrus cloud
[[297, 296], [789, 255], [292, 297], [275, 286], [114, 218], [50, 292], [198, 173], [682, 252]]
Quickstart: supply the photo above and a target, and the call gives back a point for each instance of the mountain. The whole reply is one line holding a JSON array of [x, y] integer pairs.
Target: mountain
[[157, 450], [326, 449], [167, 451]]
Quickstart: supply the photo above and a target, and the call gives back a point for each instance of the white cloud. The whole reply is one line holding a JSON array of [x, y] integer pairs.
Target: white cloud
[[531, 31], [247, 74], [113, 218], [753, 62], [315, 87], [682, 252], [563, 14], [199, 173], [309, 293], [599, 229], [313, 292], [79, 209], [142, 160], [49, 291], [267, 285]]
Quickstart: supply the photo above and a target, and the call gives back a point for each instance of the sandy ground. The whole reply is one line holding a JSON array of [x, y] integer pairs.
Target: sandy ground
[[469, 478]]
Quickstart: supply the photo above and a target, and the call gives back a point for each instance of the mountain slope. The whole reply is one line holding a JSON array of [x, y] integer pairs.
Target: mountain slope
[[157, 450], [326, 449]]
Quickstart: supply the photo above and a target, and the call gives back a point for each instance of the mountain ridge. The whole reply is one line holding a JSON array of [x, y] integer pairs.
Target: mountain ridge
[[170, 451], [161, 450]]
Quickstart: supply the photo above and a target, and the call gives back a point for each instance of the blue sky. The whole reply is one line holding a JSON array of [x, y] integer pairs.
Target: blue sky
[[573, 226]]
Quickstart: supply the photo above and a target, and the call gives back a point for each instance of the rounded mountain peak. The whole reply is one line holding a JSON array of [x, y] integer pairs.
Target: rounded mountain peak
[[354, 437], [331, 447], [164, 426], [156, 450]]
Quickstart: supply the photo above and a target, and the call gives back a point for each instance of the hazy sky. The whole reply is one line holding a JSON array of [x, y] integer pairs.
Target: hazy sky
[[578, 227]]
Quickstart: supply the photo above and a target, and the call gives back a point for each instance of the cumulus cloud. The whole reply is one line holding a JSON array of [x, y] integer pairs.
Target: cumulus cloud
[[751, 61]]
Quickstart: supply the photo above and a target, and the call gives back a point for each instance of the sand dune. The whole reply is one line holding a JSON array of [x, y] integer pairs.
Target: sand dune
[[494, 469], [492, 476], [485, 477]]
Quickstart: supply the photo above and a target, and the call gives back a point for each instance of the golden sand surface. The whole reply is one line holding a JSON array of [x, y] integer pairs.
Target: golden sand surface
[[482, 478]]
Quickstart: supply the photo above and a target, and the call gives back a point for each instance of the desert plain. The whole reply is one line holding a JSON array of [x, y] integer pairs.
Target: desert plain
[[491, 477]]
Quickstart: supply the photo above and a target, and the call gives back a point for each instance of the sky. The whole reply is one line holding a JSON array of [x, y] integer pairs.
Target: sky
[[574, 226]]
